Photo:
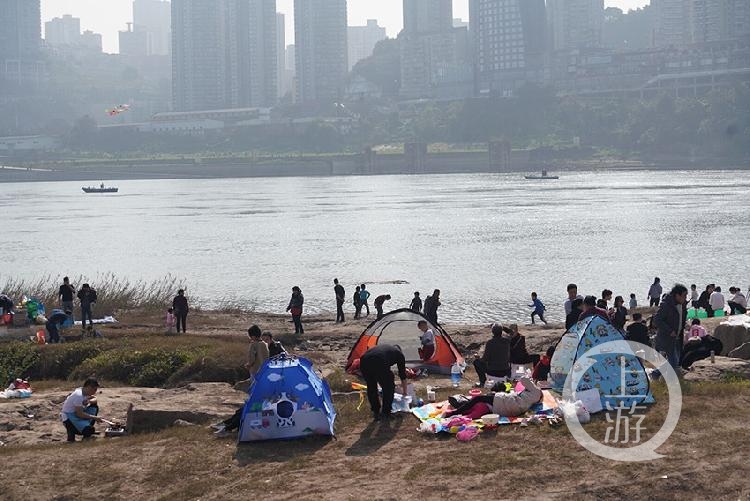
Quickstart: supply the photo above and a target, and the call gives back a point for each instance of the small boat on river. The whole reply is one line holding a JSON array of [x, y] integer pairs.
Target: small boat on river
[[543, 176], [100, 189]]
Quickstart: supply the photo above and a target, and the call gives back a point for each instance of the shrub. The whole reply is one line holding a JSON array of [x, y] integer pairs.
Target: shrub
[[18, 359], [152, 367]]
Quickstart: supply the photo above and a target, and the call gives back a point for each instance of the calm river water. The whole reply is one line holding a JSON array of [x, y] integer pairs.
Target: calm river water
[[486, 240]]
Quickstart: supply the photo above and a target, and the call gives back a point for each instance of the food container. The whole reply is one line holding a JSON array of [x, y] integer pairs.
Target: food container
[[490, 419], [475, 392]]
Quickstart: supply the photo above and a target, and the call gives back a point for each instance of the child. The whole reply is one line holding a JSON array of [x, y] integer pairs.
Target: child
[[697, 331], [416, 303], [541, 369], [538, 308], [633, 302], [637, 331], [170, 320]]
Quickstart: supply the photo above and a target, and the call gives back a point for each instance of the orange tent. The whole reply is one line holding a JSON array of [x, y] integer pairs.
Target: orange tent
[[400, 327]]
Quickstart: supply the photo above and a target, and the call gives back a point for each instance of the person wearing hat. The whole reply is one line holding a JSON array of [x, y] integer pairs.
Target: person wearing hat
[[180, 307], [80, 411], [495, 360]]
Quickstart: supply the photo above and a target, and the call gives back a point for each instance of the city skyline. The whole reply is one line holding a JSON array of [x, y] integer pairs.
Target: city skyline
[[111, 17]]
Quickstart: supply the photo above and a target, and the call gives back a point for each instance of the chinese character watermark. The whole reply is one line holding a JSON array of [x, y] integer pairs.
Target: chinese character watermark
[[625, 418]]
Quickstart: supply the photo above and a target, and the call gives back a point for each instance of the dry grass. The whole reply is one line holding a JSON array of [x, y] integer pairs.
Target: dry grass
[[113, 293]]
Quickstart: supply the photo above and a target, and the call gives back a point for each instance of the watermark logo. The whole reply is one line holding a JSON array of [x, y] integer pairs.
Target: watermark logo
[[624, 418]]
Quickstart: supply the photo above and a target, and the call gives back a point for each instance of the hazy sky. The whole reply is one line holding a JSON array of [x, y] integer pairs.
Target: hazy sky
[[109, 16]]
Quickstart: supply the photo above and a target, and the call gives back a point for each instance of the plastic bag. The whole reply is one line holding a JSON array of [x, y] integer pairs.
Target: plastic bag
[[575, 410]]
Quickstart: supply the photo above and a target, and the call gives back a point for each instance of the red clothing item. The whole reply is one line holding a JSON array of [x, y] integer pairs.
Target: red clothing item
[[541, 366]]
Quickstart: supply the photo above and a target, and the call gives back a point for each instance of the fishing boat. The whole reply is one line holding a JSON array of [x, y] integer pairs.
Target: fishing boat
[[100, 189], [543, 176]]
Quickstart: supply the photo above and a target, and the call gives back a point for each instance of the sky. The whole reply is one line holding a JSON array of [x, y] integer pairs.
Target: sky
[[109, 16]]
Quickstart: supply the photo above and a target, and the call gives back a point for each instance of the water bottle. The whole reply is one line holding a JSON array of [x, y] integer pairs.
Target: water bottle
[[455, 375], [713, 357]]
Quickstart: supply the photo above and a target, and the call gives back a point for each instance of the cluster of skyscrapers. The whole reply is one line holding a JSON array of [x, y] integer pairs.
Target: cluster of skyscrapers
[[232, 54]]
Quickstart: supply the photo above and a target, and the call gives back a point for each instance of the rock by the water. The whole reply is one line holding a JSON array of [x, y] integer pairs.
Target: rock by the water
[[732, 336], [742, 352]]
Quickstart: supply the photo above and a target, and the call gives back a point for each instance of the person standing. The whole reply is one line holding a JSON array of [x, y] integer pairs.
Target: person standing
[[257, 353], [618, 313], [80, 411], [66, 295], [670, 324], [431, 305], [576, 309], [572, 296], [180, 308], [694, 296], [495, 360], [375, 366], [416, 303], [654, 292], [364, 295], [295, 307], [357, 300], [338, 289], [633, 302], [87, 297], [539, 308], [379, 304], [716, 300]]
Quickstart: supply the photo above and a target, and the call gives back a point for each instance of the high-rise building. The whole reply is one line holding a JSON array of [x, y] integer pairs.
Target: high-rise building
[[223, 54], [320, 49], [90, 41], [20, 29], [154, 18], [281, 54], [714, 20], [65, 30], [362, 40], [510, 44], [673, 23], [575, 24], [427, 16], [133, 43], [435, 56]]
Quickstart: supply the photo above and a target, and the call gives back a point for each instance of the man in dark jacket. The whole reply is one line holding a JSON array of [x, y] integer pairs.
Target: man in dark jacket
[[576, 308], [180, 307], [87, 297], [431, 304], [375, 366], [495, 360], [703, 300], [379, 304], [338, 289], [57, 318], [638, 331], [670, 324]]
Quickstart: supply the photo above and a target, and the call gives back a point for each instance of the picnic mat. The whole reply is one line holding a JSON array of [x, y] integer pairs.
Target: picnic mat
[[430, 414]]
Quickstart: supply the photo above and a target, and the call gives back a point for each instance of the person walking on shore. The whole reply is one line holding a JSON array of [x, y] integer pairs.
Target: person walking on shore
[[87, 297], [364, 295], [379, 304], [357, 300], [66, 294], [180, 309], [338, 289], [416, 303], [431, 305], [572, 296], [295, 307], [539, 308], [670, 324], [654, 292]]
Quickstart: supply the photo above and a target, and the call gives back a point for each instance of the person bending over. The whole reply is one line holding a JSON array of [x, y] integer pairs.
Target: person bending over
[[375, 366]]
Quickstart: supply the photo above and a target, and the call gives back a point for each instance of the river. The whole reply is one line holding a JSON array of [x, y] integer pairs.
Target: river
[[486, 240]]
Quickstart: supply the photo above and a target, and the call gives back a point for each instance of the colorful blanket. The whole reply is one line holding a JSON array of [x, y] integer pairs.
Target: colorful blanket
[[431, 415]]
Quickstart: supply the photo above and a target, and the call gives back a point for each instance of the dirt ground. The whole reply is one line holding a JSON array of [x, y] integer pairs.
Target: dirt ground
[[704, 458]]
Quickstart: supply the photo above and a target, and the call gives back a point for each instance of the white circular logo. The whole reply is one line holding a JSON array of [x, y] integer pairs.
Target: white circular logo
[[624, 413]]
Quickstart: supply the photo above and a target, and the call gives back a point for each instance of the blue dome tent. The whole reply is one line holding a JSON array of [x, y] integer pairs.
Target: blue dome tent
[[619, 377], [287, 400]]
